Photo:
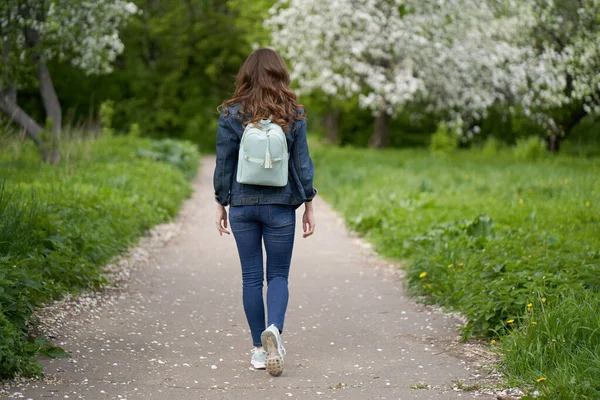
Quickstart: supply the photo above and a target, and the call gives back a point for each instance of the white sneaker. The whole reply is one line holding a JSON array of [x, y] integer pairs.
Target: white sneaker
[[271, 341], [258, 358]]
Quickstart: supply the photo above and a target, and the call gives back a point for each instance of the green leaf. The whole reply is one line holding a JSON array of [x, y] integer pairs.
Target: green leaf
[[482, 226], [49, 350]]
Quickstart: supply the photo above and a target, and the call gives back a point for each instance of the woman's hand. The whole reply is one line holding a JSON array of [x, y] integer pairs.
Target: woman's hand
[[308, 220], [221, 220]]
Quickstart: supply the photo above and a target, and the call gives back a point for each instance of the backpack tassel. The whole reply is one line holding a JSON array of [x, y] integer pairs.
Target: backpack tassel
[[268, 161]]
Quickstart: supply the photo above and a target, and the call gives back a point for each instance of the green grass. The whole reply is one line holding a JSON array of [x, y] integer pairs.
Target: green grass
[[559, 345], [60, 224], [487, 236]]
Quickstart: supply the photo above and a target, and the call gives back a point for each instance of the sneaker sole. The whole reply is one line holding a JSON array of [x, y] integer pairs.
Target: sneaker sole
[[258, 365], [274, 360]]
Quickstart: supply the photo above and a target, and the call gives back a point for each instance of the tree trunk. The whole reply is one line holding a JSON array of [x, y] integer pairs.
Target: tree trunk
[[553, 143], [50, 99], [51, 151], [567, 125], [8, 96], [48, 154], [8, 101], [50, 147], [21, 118], [331, 122], [47, 91], [380, 136]]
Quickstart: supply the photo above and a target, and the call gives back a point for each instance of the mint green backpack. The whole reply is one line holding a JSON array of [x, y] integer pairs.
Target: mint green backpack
[[263, 156]]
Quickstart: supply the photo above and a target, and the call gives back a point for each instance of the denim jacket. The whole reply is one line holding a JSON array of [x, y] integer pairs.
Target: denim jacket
[[228, 191]]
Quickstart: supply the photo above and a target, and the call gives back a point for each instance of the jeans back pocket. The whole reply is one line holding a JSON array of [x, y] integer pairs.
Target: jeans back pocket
[[281, 215], [237, 212]]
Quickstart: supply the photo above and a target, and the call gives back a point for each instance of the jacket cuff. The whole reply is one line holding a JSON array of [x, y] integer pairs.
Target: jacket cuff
[[221, 202], [311, 197]]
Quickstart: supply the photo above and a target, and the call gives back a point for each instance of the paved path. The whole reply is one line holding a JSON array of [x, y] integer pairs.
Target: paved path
[[351, 333]]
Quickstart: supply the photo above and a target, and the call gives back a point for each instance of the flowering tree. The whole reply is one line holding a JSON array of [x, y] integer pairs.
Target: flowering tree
[[347, 48], [390, 52], [541, 55], [467, 57], [563, 83], [84, 32], [460, 57]]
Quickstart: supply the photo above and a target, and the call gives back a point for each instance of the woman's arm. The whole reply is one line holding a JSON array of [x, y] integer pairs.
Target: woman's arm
[[227, 148], [306, 173], [304, 164]]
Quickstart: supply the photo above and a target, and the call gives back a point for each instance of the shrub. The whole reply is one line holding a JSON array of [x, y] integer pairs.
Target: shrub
[[107, 111], [134, 130], [530, 149], [584, 140], [59, 225], [182, 154], [491, 147], [444, 141], [17, 354]]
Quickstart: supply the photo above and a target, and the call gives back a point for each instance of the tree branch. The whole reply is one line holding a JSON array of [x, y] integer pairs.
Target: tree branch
[[21, 118], [47, 91], [8, 100]]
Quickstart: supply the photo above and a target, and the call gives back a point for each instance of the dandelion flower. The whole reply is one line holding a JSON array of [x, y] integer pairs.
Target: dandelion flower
[[460, 264], [493, 341], [533, 323], [450, 265], [587, 203], [422, 274], [530, 305], [543, 299], [553, 340], [510, 321], [541, 380]]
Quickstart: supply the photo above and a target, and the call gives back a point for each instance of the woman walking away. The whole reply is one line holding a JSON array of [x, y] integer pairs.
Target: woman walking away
[[264, 173]]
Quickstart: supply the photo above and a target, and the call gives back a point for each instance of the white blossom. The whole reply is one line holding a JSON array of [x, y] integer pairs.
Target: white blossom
[[342, 47], [131, 8], [84, 31], [459, 56]]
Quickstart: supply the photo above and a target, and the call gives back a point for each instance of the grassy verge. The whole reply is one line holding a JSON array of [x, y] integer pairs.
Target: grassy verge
[[513, 245], [60, 224]]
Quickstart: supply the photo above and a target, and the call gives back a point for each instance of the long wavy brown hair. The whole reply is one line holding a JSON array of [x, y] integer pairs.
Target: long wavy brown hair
[[262, 88]]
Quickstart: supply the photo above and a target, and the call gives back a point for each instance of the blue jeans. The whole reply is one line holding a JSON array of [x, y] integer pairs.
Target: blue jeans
[[275, 224]]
